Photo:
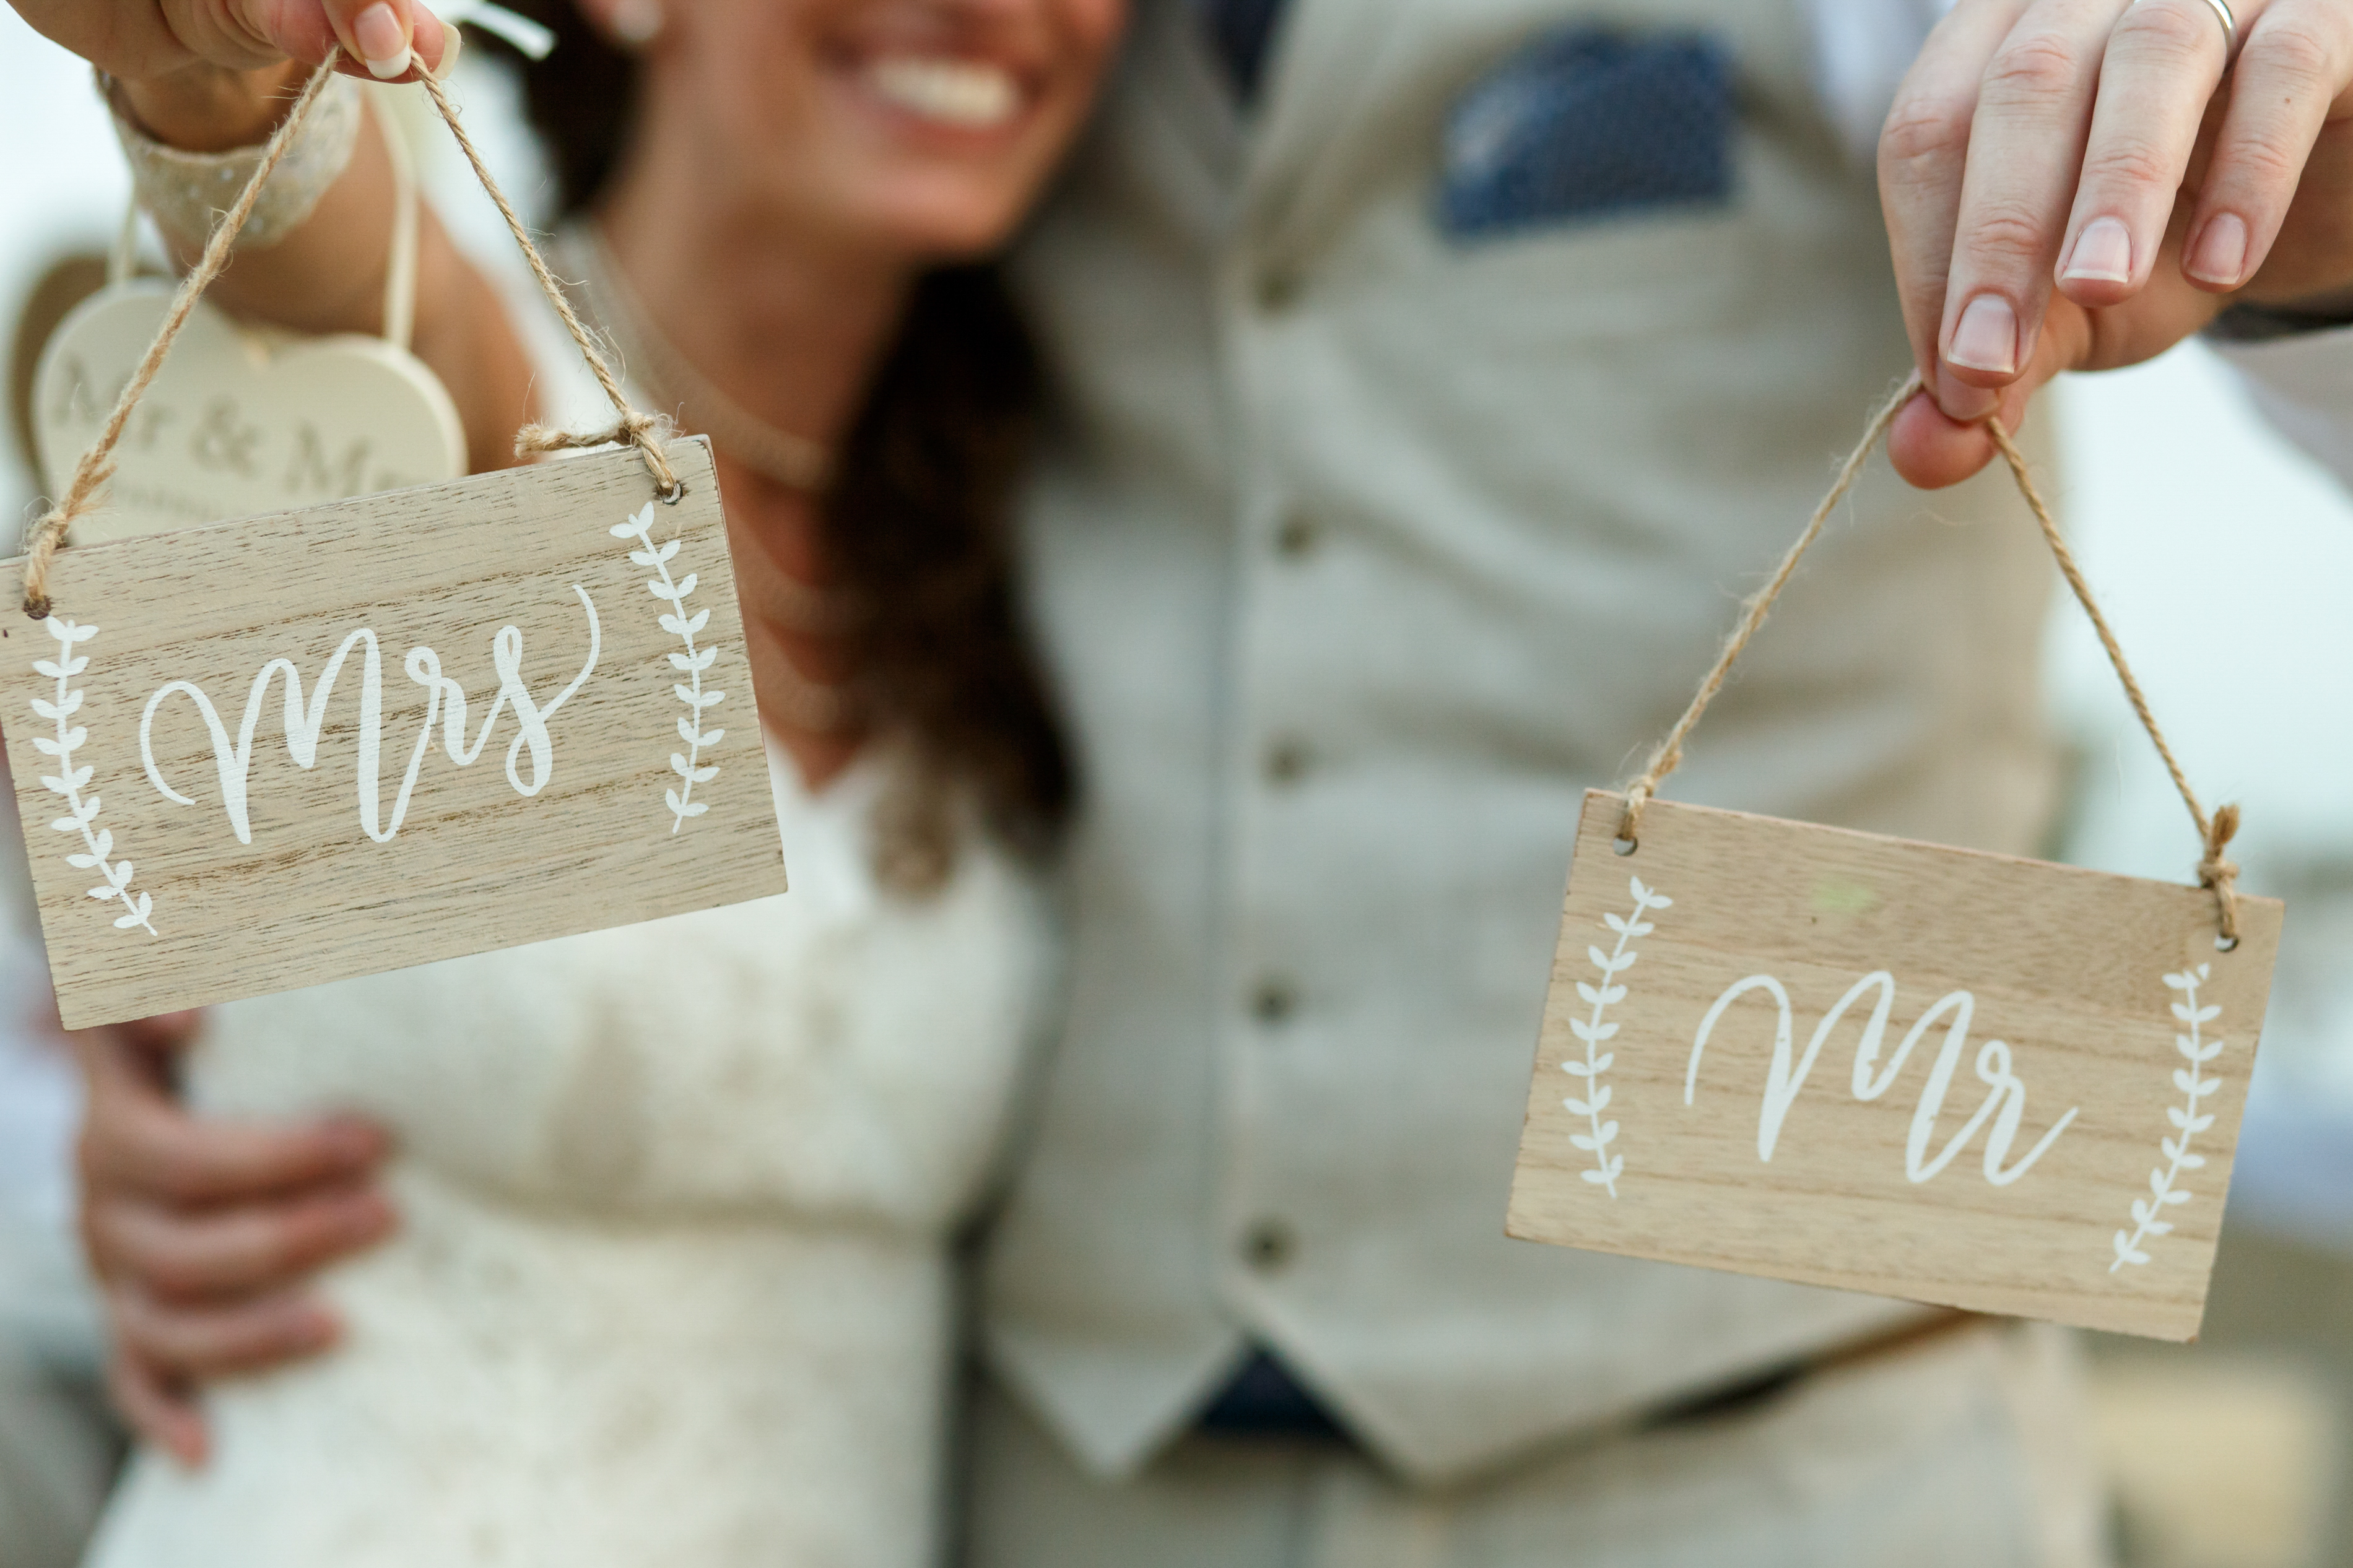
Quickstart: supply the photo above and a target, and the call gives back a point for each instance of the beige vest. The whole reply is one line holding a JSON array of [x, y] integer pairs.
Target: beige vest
[[1360, 555]]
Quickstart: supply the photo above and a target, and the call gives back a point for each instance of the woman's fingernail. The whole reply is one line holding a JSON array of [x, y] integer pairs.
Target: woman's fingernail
[[2221, 254], [2103, 253], [383, 41], [1986, 337], [450, 38]]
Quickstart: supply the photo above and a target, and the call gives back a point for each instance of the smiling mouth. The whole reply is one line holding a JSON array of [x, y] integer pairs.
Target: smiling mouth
[[969, 95]]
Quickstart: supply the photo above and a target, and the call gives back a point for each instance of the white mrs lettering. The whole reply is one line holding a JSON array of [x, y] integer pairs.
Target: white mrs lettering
[[445, 702], [2004, 1104]]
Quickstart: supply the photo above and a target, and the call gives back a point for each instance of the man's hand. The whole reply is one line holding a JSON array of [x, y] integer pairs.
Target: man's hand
[[141, 40], [202, 1232], [2076, 184]]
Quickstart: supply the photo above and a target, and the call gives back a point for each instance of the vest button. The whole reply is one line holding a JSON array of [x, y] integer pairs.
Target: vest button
[[1274, 1002], [1279, 289], [1267, 1245]]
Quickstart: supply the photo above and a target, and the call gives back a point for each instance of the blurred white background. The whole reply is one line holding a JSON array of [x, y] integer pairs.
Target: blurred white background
[[2221, 557]]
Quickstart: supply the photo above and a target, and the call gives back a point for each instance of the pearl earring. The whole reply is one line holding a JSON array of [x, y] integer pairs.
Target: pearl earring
[[635, 23]]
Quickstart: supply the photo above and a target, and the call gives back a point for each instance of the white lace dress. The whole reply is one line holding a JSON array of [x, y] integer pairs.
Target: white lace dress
[[673, 1285]]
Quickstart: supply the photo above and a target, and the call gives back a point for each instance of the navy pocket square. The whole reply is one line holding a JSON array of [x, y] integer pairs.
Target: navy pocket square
[[1589, 123]]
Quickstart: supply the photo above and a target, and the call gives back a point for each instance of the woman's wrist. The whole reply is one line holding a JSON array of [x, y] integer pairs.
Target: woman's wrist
[[207, 108], [185, 176]]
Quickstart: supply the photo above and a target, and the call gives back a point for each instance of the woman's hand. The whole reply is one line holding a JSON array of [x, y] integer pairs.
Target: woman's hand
[[202, 1233], [206, 76], [2067, 189], [142, 40]]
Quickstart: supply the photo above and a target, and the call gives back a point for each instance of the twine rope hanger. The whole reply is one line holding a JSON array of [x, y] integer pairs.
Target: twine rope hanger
[[96, 467], [2215, 831]]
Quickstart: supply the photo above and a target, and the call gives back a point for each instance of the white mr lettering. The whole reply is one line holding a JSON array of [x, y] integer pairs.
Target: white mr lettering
[[2004, 1104]]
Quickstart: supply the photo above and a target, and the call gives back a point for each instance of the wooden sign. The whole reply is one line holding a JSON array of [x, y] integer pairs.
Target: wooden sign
[[273, 752], [1855, 1061], [239, 420]]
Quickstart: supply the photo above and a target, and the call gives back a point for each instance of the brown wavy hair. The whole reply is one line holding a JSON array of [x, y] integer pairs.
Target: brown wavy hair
[[917, 525]]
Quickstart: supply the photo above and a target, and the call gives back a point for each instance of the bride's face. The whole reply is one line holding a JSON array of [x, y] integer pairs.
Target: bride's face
[[920, 126]]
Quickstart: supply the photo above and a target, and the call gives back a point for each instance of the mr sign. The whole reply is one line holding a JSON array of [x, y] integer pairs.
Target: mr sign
[[1888, 1067], [279, 752]]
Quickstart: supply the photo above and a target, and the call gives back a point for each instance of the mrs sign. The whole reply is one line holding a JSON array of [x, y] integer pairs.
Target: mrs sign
[[1890, 1066], [289, 750]]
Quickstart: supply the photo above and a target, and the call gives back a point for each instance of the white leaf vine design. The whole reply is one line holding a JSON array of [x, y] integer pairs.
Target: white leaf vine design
[[1594, 1031], [98, 843], [2196, 1050], [687, 765]]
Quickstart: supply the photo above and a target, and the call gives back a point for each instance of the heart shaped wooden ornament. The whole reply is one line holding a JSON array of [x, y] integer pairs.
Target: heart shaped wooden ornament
[[239, 421]]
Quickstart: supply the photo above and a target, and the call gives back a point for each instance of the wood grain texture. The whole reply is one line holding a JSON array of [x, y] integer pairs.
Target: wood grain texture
[[476, 863], [2066, 968]]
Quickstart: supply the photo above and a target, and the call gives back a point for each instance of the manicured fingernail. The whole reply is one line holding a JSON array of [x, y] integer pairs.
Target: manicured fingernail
[[2103, 253], [1986, 337], [637, 23], [383, 43], [2220, 254], [450, 38]]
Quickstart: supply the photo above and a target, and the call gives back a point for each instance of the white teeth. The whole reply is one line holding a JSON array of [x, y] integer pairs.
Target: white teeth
[[962, 93]]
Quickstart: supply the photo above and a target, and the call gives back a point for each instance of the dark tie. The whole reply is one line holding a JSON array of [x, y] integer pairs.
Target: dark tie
[[1239, 31]]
